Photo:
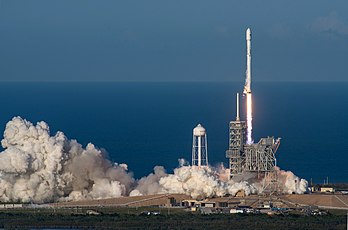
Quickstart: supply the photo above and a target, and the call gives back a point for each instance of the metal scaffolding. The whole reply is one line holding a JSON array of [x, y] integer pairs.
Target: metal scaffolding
[[236, 147], [237, 140], [258, 158]]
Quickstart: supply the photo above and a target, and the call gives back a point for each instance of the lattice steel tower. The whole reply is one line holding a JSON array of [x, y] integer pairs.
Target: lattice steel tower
[[256, 158], [237, 139]]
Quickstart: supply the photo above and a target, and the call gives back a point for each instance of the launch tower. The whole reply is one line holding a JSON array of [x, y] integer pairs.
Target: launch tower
[[258, 158], [237, 140]]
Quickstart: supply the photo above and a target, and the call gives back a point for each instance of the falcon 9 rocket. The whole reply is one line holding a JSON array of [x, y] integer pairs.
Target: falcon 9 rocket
[[247, 88]]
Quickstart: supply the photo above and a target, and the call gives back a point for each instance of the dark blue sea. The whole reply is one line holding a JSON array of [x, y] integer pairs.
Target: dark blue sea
[[149, 124]]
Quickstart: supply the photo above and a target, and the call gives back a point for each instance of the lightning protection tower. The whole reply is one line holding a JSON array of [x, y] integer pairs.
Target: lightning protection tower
[[237, 139], [199, 147]]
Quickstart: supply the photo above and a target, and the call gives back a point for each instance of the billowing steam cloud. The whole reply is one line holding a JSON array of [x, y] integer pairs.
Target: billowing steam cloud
[[204, 182], [37, 167], [198, 182], [150, 185]]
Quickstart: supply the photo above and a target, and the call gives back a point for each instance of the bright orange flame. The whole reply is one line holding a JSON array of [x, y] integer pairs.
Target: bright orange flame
[[249, 119]]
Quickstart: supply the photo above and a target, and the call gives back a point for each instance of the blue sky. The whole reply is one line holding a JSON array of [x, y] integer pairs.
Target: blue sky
[[172, 40]]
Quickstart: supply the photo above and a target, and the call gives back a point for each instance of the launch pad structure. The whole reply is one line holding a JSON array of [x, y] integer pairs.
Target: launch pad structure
[[244, 155], [258, 158]]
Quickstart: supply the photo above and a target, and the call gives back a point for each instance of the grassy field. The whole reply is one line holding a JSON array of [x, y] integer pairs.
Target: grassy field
[[131, 218]]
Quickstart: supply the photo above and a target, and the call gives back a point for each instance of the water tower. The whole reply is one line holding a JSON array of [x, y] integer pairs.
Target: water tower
[[199, 147]]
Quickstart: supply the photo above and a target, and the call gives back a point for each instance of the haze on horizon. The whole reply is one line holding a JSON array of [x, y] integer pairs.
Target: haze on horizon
[[182, 40]]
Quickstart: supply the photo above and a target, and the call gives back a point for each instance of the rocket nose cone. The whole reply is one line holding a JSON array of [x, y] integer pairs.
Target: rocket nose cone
[[248, 34]]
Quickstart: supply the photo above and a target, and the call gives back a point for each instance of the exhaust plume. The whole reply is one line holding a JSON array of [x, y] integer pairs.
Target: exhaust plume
[[249, 119], [37, 167]]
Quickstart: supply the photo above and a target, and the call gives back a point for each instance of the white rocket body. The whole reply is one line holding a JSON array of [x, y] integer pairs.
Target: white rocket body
[[247, 87]]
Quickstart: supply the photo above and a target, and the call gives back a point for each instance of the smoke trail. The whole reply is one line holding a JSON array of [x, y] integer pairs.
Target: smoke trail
[[249, 119]]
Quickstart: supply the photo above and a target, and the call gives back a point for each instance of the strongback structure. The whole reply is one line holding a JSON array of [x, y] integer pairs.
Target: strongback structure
[[258, 158], [199, 147]]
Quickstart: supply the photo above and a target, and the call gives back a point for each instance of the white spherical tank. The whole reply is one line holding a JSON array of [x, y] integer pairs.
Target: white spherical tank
[[199, 131]]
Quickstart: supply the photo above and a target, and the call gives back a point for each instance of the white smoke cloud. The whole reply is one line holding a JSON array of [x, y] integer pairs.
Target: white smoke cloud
[[198, 182], [206, 182], [149, 185], [183, 162], [289, 183], [38, 167], [233, 188]]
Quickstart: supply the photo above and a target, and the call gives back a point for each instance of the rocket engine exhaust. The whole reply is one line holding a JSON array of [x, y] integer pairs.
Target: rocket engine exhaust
[[249, 119]]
